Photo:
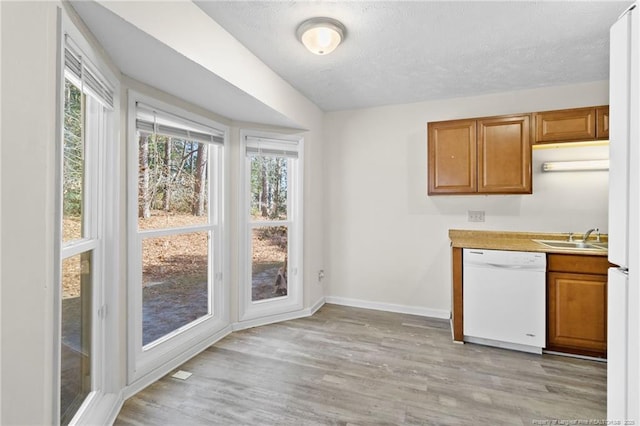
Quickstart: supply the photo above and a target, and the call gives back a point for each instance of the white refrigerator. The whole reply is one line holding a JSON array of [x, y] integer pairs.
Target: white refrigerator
[[623, 356]]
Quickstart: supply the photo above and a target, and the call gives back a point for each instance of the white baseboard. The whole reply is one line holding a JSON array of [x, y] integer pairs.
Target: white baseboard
[[314, 308], [116, 406], [102, 409], [242, 325], [389, 307]]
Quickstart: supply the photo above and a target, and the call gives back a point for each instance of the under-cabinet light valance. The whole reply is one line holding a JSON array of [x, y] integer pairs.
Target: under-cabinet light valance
[[574, 166]]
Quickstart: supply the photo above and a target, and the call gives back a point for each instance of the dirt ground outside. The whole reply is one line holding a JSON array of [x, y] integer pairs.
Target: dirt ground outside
[[175, 270]]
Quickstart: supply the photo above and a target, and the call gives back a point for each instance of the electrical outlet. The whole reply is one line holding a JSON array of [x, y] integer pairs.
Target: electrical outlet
[[320, 275], [476, 216]]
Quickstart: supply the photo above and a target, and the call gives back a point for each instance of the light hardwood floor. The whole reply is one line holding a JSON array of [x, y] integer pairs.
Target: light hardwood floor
[[355, 366]]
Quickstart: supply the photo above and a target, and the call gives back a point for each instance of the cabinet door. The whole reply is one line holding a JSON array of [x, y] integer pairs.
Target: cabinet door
[[566, 125], [602, 122], [504, 155], [577, 313], [452, 157]]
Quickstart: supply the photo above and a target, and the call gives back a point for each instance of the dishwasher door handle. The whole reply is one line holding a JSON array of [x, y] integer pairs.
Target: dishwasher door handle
[[502, 266]]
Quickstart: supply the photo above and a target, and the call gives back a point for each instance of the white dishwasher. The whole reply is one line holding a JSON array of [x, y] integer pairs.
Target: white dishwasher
[[504, 299]]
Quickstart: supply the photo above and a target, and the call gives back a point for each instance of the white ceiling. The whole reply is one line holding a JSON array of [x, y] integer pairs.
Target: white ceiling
[[394, 52], [400, 52]]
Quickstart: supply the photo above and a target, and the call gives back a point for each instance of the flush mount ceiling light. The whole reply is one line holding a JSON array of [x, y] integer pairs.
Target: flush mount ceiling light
[[321, 35]]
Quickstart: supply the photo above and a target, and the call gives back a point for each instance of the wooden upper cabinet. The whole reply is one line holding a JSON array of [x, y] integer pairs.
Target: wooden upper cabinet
[[566, 125], [602, 122], [485, 156], [504, 155], [452, 157], [492, 155]]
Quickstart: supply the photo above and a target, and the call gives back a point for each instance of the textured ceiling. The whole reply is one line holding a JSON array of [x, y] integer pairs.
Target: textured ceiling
[[400, 52], [394, 52]]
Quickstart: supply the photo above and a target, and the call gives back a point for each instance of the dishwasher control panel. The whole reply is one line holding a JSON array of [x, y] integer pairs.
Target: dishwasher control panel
[[505, 258]]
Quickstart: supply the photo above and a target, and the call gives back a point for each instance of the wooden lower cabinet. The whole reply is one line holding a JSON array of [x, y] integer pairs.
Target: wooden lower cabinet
[[577, 305]]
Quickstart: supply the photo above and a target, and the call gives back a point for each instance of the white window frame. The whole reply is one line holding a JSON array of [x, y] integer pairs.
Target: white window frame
[[293, 301], [100, 218], [93, 243], [144, 362]]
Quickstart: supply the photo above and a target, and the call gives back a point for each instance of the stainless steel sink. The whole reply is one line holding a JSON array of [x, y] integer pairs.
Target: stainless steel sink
[[573, 245], [603, 246]]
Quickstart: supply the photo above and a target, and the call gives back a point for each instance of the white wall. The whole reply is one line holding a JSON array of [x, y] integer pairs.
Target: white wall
[[27, 163], [388, 241]]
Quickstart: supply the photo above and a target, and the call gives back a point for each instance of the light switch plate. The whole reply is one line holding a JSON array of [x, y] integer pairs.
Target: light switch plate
[[476, 216]]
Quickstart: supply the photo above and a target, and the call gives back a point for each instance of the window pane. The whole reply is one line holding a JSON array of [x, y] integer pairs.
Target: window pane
[[175, 287], [172, 182], [268, 188], [73, 164], [269, 262], [75, 380]]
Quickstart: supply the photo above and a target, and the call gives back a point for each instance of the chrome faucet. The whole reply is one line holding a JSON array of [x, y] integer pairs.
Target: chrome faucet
[[586, 234]]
